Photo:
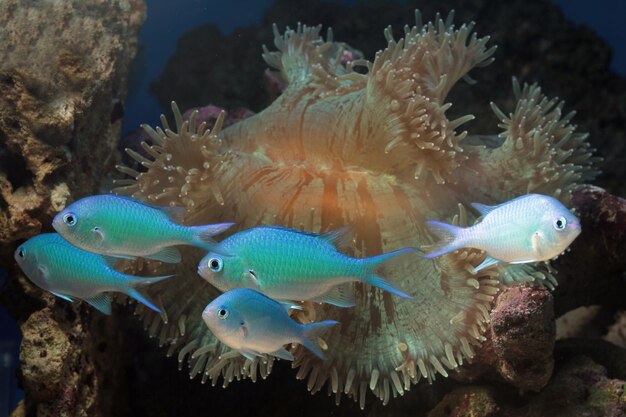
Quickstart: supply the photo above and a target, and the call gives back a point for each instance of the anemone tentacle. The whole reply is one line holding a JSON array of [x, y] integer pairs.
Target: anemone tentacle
[[343, 148], [541, 151]]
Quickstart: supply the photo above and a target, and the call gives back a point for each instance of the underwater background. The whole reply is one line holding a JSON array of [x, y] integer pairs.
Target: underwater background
[[205, 54]]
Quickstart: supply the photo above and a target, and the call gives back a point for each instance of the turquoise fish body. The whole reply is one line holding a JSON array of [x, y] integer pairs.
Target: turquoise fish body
[[254, 324], [118, 226], [288, 264], [68, 272]]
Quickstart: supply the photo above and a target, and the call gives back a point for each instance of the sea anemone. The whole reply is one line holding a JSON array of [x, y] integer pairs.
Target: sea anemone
[[365, 144]]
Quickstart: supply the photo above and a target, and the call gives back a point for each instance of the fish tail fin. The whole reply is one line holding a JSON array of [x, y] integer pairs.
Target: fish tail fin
[[312, 331], [202, 236], [449, 238], [376, 280], [136, 283], [374, 262], [380, 282]]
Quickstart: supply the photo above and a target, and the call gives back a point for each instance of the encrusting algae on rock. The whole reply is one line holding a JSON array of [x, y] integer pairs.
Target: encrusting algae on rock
[[371, 148]]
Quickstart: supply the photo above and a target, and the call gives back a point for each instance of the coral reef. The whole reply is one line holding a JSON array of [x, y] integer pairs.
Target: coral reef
[[107, 366], [63, 66], [65, 363], [390, 160], [63, 71], [580, 388], [520, 341], [597, 276]]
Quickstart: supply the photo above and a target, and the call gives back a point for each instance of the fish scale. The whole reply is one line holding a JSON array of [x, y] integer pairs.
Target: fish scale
[[71, 273], [289, 264], [119, 226], [254, 324], [525, 229]]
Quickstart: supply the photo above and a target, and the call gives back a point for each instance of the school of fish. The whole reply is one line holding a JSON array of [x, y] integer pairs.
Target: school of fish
[[264, 271]]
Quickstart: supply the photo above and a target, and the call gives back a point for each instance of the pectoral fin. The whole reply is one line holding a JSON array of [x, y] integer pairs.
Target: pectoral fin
[[65, 297], [283, 354], [340, 296], [101, 302], [249, 354], [489, 261], [169, 255]]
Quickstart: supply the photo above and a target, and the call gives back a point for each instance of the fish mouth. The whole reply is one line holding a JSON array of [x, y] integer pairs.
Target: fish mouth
[[55, 223], [200, 271], [208, 312]]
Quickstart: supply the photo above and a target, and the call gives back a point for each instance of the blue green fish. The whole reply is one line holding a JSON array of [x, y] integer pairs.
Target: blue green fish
[[288, 264], [119, 226], [70, 273], [254, 324]]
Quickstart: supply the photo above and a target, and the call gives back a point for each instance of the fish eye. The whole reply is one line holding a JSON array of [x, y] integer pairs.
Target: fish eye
[[222, 313], [69, 219], [560, 223], [20, 253], [215, 264]]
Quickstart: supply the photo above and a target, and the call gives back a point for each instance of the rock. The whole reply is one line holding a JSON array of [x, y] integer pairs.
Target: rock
[[20, 410], [617, 332], [575, 323], [520, 340], [523, 333], [63, 70], [43, 355], [73, 361], [470, 401], [580, 388], [592, 273]]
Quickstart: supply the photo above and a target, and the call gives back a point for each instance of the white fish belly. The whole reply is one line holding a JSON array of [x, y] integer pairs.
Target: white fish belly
[[264, 341], [303, 292]]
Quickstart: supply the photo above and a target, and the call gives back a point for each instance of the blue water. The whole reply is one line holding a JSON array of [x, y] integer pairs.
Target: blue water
[[606, 19], [165, 23]]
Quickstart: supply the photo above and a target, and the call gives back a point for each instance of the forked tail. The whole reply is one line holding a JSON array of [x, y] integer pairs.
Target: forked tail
[[134, 285], [449, 238], [202, 236], [312, 331], [376, 280]]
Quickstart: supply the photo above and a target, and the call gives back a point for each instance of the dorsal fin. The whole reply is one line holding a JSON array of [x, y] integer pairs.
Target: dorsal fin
[[175, 213], [338, 237], [484, 209]]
